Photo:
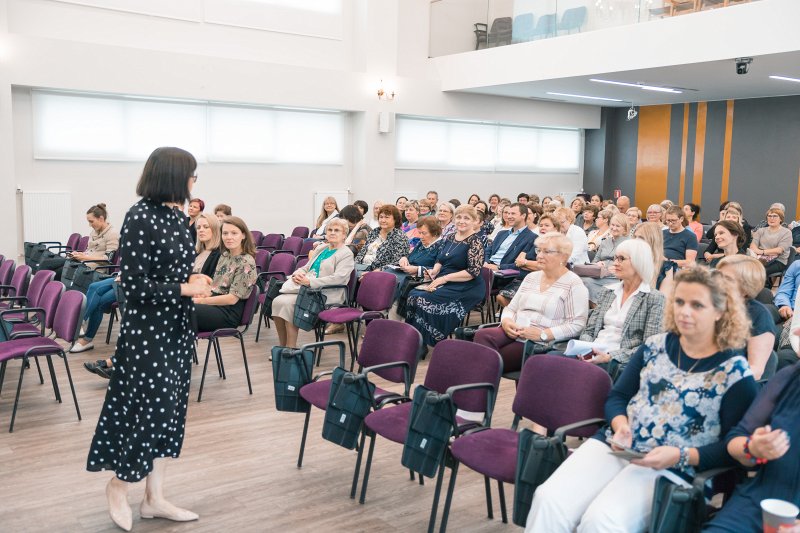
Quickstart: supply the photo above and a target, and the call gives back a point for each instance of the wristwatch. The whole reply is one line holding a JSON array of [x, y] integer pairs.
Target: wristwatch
[[543, 335]]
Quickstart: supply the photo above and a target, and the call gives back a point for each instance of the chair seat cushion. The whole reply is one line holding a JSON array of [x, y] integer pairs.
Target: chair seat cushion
[[340, 315], [492, 452], [226, 332], [18, 347], [26, 329], [318, 392], [391, 422]]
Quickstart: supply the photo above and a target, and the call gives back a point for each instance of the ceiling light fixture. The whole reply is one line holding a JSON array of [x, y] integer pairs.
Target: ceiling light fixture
[[587, 97], [639, 86], [785, 78]]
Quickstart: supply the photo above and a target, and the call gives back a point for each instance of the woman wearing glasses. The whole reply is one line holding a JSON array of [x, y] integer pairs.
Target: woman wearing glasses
[[771, 244], [551, 305], [627, 312]]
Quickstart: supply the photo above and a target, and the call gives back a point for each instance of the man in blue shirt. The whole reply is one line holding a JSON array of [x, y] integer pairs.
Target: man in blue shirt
[[787, 292], [509, 243]]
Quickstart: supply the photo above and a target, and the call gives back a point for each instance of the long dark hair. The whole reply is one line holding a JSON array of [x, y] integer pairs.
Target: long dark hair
[[166, 174]]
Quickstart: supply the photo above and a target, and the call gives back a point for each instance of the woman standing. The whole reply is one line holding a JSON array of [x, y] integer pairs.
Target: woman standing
[[132, 438], [456, 286]]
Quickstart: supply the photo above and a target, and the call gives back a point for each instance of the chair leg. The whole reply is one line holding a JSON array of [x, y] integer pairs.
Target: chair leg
[[246, 369], [111, 317], [53, 379], [502, 492], [303, 439], [2, 374], [367, 469], [449, 498], [218, 353], [488, 488], [194, 353], [436, 493], [71, 384], [357, 470], [205, 367], [16, 400], [39, 370]]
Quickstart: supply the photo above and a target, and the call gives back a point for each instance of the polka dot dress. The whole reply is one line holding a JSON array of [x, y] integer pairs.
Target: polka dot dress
[[144, 413]]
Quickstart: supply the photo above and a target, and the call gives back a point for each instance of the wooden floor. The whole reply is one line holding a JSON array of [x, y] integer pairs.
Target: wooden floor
[[238, 465]]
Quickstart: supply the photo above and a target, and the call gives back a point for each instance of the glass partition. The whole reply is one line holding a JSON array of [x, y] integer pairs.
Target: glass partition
[[463, 25]]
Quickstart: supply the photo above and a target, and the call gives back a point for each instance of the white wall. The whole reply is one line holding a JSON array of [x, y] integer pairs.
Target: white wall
[[88, 49]]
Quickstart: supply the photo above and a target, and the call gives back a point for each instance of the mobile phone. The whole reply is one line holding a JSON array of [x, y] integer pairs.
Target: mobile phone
[[626, 452], [587, 357]]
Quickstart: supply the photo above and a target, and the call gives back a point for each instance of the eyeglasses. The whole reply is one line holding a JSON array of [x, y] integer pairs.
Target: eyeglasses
[[620, 258], [548, 251], [194, 178], [773, 215], [671, 220]]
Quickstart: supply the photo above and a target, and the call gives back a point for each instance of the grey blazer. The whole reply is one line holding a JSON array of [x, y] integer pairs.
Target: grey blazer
[[644, 320], [333, 271]]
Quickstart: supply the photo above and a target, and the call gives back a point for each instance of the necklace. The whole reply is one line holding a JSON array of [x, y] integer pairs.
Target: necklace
[[680, 353], [451, 246]]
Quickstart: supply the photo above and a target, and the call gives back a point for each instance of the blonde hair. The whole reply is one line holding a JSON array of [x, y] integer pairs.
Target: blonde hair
[[750, 272], [622, 220], [652, 234], [467, 209], [567, 213], [216, 239], [323, 215], [733, 328], [559, 241]]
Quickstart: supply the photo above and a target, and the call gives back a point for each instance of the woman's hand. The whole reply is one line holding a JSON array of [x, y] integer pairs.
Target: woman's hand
[[510, 328], [301, 278], [403, 263], [436, 283], [659, 458], [200, 278], [520, 260], [599, 357], [790, 528], [769, 444], [622, 436], [531, 333], [410, 269], [78, 256], [199, 285]]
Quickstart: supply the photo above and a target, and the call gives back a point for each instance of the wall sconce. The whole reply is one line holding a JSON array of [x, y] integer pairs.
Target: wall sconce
[[384, 94]]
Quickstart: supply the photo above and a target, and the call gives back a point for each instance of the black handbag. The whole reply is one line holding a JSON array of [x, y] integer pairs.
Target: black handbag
[[537, 458], [309, 304], [68, 272], [35, 256], [676, 509], [85, 276], [291, 369], [270, 293], [409, 283], [349, 402], [430, 427]]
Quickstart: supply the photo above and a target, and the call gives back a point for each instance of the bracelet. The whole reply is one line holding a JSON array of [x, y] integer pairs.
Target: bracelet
[[749, 455], [683, 458]]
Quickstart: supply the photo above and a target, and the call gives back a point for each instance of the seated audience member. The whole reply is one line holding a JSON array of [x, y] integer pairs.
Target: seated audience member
[[762, 441], [772, 243], [499, 222], [433, 199], [748, 275], [527, 262], [424, 208], [589, 216], [533, 199], [329, 211], [650, 232], [357, 228], [385, 244], [523, 198], [103, 242], [602, 230], [196, 206], [457, 285], [623, 204], [787, 291], [425, 253], [494, 199], [627, 312], [680, 244], [363, 207], [485, 226], [732, 213], [551, 305], [580, 249], [764, 223], [789, 343], [546, 201], [329, 264], [400, 204], [605, 256], [511, 242], [597, 201], [373, 223], [534, 214], [678, 397], [221, 211], [233, 280], [409, 227], [729, 238], [692, 213], [655, 214], [208, 245], [577, 206], [473, 199], [444, 214], [456, 202], [634, 216]]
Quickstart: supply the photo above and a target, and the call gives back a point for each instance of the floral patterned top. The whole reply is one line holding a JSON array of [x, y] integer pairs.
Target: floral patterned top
[[693, 405], [235, 275], [388, 252]]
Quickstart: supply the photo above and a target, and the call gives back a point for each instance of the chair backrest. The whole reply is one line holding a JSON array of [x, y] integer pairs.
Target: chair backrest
[[37, 286], [546, 24], [282, 263], [501, 25], [257, 236], [300, 231], [573, 18], [792, 256], [701, 250], [21, 279], [387, 341], [272, 240], [302, 260], [262, 260], [488, 280], [83, 243], [6, 271], [376, 292], [456, 362], [522, 29], [72, 240], [250, 307], [293, 244], [69, 315], [307, 247], [554, 391], [49, 299]]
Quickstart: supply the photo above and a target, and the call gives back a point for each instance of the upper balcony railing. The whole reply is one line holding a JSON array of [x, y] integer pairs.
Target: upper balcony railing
[[464, 25]]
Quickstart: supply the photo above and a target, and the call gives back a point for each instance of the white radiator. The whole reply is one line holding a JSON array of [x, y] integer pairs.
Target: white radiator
[[46, 215]]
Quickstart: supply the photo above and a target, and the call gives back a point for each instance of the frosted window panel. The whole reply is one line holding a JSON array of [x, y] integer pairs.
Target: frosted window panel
[[421, 142], [319, 6], [472, 145], [72, 127], [309, 137], [154, 124], [559, 149], [240, 134], [315, 18], [517, 148]]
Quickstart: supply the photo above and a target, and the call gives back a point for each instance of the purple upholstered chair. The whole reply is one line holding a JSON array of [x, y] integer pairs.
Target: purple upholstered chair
[[281, 266], [257, 236], [238, 332], [19, 283], [300, 231], [485, 306], [271, 241], [564, 395], [374, 299], [7, 271], [389, 350], [453, 363], [83, 243], [262, 260], [65, 326], [47, 301], [302, 260], [307, 246], [291, 245]]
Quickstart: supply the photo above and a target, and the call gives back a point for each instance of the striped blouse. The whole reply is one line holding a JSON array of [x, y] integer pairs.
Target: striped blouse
[[563, 307]]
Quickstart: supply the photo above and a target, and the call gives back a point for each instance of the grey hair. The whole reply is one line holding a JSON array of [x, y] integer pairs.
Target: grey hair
[[641, 257]]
